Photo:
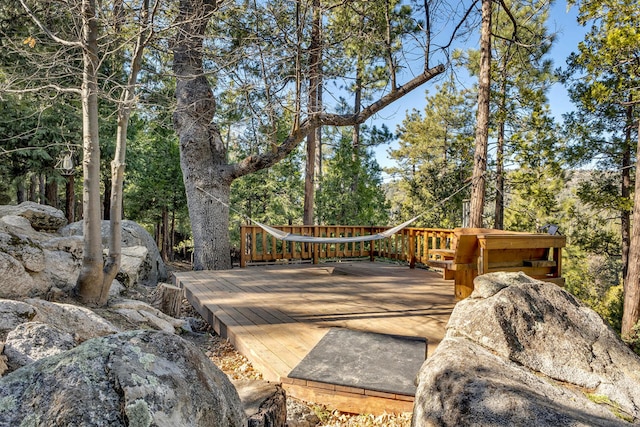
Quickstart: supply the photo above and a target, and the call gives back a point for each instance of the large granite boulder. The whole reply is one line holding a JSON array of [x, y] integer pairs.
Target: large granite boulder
[[524, 352], [145, 316], [138, 378], [23, 249], [38, 252], [141, 260], [12, 314], [16, 281], [78, 321], [41, 217], [18, 225], [33, 341]]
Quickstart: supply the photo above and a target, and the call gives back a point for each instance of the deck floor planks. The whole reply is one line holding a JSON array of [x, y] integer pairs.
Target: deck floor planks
[[255, 329], [248, 338], [275, 315], [259, 315]]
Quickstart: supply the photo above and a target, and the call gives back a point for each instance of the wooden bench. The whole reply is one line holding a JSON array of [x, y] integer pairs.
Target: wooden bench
[[480, 251]]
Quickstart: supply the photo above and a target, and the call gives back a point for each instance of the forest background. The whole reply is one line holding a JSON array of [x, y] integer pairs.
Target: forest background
[[574, 171]]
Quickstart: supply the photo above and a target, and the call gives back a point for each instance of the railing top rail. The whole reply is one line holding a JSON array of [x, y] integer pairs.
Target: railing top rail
[[367, 227]]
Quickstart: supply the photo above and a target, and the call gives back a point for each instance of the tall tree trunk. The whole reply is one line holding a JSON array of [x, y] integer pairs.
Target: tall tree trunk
[[631, 310], [33, 188], [42, 188], [125, 107], [70, 199], [164, 245], [21, 193], [309, 181], [357, 106], [502, 113], [625, 192], [52, 192], [315, 49], [172, 240], [482, 125], [89, 282], [498, 223], [318, 159], [202, 152]]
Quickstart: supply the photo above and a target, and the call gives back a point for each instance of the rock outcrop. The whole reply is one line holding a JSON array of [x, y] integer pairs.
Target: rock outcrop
[[80, 322], [12, 314], [33, 341], [38, 251], [524, 352], [141, 260], [138, 378], [41, 217]]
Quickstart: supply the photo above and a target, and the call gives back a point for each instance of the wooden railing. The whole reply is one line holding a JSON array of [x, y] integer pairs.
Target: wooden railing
[[412, 245]]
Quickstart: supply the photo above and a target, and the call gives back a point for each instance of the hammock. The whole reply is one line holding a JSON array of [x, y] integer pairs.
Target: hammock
[[290, 237]]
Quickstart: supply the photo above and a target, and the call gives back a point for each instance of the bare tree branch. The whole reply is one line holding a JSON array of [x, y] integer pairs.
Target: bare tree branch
[[257, 162], [46, 30]]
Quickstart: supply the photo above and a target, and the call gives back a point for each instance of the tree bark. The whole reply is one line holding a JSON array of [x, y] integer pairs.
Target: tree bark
[[42, 189], [315, 50], [482, 125], [168, 299], [165, 246], [70, 199], [202, 151], [20, 190], [499, 206], [631, 310], [89, 282], [52, 192], [625, 193], [125, 107], [33, 188]]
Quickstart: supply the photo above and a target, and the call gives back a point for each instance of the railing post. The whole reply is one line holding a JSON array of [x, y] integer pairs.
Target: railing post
[[412, 249], [243, 246], [316, 246]]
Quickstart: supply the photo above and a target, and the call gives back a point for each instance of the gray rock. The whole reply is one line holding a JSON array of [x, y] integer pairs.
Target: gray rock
[[116, 289], [16, 282], [139, 378], [151, 268], [519, 352], [142, 314], [72, 245], [18, 225], [464, 384], [25, 250], [41, 217], [12, 314], [80, 322], [61, 270], [135, 267], [3, 361], [33, 341]]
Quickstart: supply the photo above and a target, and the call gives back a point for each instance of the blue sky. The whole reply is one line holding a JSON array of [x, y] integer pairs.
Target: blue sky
[[569, 34]]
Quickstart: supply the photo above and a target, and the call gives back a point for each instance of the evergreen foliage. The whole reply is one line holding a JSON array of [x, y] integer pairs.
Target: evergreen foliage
[[339, 203], [434, 158]]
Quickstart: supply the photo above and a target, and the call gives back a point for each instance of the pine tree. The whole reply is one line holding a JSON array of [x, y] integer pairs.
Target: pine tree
[[434, 158]]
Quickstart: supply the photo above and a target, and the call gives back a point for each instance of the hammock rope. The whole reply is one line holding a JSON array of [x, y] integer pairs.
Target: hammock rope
[[291, 237]]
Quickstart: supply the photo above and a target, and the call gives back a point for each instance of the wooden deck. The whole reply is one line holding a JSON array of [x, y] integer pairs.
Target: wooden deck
[[275, 315]]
